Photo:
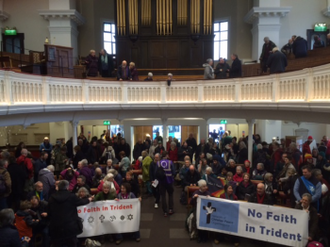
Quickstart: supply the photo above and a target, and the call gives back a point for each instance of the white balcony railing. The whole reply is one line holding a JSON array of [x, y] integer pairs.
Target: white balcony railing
[[308, 85]]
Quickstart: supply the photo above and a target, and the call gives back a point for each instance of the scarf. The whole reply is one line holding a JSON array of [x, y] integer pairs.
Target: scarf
[[104, 59], [40, 196], [230, 197], [311, 189], [260, 199]]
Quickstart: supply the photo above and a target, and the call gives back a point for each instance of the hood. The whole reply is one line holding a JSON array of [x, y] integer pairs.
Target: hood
[[44, 172], [61, 196], [322, 154], [206, 65]]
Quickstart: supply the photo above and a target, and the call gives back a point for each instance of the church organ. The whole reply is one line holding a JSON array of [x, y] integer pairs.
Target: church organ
[[165, 34]]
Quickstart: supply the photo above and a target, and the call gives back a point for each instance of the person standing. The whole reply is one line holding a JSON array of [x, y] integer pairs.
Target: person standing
[[152, 175], [222, 69], [5, 189], [277, 61], [27, 163], [65, 225], [299, 46], [123, 72], [165, 175], [208, 71], [105, 64], [265, 54], [45, 146], [133, 71], [91, 64], [236, 67]]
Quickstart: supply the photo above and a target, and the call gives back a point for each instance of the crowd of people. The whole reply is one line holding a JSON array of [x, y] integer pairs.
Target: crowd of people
[[44, 191]]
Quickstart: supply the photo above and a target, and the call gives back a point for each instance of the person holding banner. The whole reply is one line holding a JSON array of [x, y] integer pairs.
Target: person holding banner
[[308, 184], [125, 193], [305, 204], [108, 192], [261, 196], [202, 191], [65, 224]]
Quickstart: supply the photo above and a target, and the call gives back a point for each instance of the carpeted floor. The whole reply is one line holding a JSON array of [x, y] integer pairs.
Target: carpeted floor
[[158, 231]]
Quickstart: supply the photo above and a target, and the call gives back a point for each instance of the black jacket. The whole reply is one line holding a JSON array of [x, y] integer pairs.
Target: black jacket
[[241, 190], [191, 178], [18, 174], [9, 237], [137, 151], [300, 47], [110, 67], [63, 214], [277, 62], [267, 200], [120, 73], [236, 69], [221, 70]]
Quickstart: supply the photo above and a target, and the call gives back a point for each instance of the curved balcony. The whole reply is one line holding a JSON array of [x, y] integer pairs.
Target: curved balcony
[[307, 90]]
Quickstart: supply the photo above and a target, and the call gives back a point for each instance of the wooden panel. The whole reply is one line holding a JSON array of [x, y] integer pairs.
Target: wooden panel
[[187, 129], [172, 49], [144, 53], [157, 49], [195, 54], [134, 54], [140, 133], [184, 52]]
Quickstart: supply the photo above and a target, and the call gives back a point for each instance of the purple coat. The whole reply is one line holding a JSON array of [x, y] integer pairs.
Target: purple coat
[[87, 173]]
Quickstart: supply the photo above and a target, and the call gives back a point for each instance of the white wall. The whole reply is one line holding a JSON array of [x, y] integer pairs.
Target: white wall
[[315, 130], [303, 15], [25, 17]]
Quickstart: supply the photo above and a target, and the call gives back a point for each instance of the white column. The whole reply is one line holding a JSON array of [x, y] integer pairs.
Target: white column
[[74, 125], [250, 122], [63, 22], [265, 17], [165, 131]]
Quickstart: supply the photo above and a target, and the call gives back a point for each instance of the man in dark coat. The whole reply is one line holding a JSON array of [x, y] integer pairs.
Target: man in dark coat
[[123, 72], [64, 221], [192, 177], [299, 46], [191, 141], [105, 64], [260, 196], [236, 67], [267, 49], [222, 69], [138, 148], [277, 61]]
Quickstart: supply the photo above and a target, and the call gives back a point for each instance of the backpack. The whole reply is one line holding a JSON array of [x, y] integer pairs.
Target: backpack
[[314, 244], [3, 186]]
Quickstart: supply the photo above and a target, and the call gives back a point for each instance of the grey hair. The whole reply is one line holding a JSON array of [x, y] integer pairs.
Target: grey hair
[[150, 74], [169, 74], [98, 169], [239, 168], [36, 184], [275, 49], [83, 189], [63, 185], [262, 165], [209, 169], [7, 217], [51, 168], [173, 143], [109, 160], [259, 146], [107, 184], [231, 160], [201, 183], [308, 196], [84, 162], [266, 38], [113, 171], [317, 172], [209, 60], [242, 145], [267, 176], [108, 176]]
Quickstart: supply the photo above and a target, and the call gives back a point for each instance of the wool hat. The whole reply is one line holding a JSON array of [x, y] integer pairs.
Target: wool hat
[[310, 138], [308, 156]]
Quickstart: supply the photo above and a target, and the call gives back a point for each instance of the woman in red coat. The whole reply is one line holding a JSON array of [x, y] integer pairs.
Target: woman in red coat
[[173, 152]]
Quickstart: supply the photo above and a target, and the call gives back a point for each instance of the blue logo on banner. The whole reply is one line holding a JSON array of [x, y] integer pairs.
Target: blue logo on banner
[[219, 215]]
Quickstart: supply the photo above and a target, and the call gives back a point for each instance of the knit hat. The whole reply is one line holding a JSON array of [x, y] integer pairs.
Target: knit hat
[[310, 138], [308, 156], [247, 161], [322, 154]]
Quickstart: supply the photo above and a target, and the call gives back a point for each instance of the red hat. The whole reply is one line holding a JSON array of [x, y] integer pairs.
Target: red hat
[[308, 156], [310, 138], [247, 161]]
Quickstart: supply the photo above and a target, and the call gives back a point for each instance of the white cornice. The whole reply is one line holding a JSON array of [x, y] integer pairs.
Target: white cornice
[[3, 16], [263, 12], [71, 14]]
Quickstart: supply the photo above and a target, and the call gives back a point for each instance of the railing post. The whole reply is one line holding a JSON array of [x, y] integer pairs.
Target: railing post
[[8, 91], [275, 88], [309, 85], [238, 90], [200, 92], [85, 92], [124, 97], [163, 93], [45, 90]]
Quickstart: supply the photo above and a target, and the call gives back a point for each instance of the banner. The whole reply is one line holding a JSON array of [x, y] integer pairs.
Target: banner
[[215, 186], [107, 217], [279, 225]]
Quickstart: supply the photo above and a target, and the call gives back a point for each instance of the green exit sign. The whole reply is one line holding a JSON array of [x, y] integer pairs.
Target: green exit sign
[[10, 32], [223, 121], [106, 122]]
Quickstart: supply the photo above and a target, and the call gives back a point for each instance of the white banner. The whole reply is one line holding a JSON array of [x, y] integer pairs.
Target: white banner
[[107, 217], [280, 225]]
